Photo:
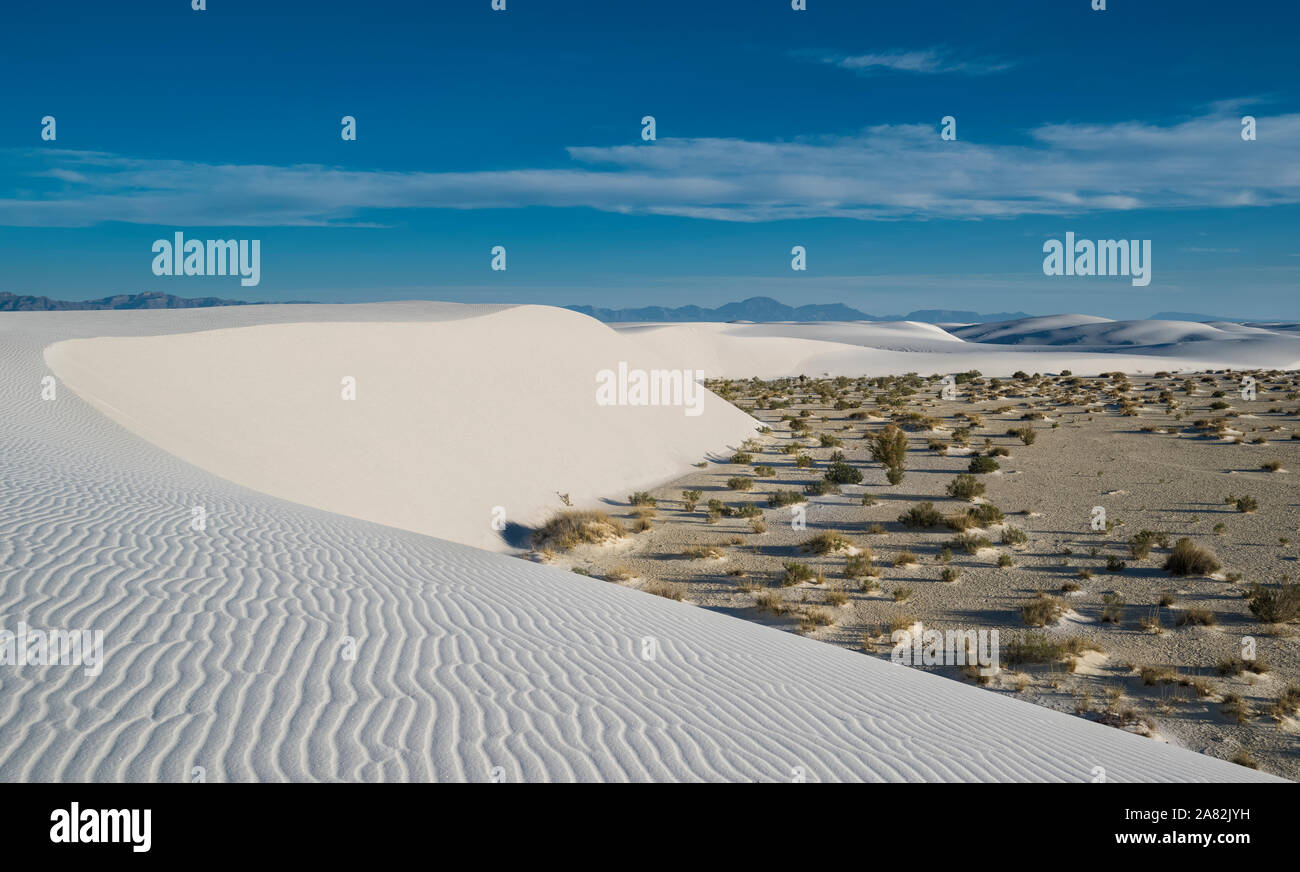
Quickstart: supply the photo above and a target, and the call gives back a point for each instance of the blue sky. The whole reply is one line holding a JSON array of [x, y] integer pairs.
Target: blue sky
[[775, 128]]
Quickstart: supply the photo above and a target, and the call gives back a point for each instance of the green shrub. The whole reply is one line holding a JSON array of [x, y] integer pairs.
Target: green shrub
[[842, 473], [965, 487]]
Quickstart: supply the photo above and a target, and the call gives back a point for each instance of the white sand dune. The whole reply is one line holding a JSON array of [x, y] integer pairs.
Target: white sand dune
[[452, 419], [225, 646]]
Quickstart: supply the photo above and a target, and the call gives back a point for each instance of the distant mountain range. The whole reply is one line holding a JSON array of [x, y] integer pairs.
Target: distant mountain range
[[149, 300], [768, 309]]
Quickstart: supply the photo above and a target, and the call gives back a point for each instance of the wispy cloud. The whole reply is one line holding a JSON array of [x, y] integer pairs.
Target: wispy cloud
[[890, 172], [926, 61]]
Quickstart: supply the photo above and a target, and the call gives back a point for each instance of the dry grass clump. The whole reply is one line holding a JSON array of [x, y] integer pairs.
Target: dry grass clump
[[1288, 703], [921, 515], [812, 618], [566, 530], [1188, 558], [969, 543], [904, 558], [703, 552], [827, 543], [771, 601], [1236, 708], [1196, 618], [620, 573], [1040, 648], [1042, 610], [667, 589]]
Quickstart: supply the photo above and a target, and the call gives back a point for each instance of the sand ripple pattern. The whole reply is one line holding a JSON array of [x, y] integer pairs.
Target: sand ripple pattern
[[224, 647]]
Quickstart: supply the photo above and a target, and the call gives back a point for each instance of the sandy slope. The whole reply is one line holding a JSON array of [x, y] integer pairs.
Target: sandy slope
[[452, 418], [224, 646]]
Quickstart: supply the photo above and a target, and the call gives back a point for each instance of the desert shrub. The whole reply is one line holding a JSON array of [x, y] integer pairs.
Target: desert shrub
[[902, 593], [1246, 504], [1112, 609], [703, 552], [820, 488], [985, 514], [970, 543], [981, 465], [1042, 610], [742, 457], [690, 499], [765, 471], [1275, 605], [1271, 465], [567, 529], [796, 573], [965, 487], [1005, 560], [921, 515], [740, 483], [1027, 434], [860, 566], [889, 448], [1188, 558], [1114, 564], [1014, 536], [782, 498], [842, 473], [642, 498], [950, 573], [904, 558], [1141, 544]]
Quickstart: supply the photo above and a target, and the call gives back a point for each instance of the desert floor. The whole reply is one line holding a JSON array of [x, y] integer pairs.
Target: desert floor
[[1135, 647]]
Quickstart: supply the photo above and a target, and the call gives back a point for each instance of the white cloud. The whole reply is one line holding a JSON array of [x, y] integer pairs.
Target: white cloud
[[930, 61], [890, 172]]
